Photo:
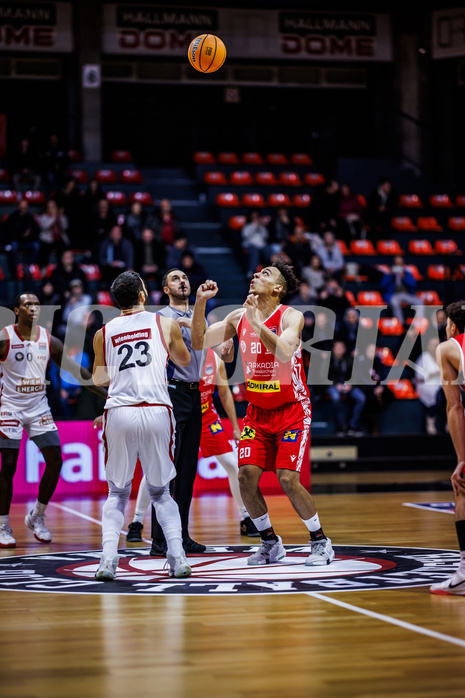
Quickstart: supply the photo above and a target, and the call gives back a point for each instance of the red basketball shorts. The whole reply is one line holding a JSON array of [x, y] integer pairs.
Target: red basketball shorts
[[215, 439], [276, 438]]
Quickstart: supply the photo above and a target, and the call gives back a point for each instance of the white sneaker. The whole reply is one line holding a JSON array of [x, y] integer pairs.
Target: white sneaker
[[269, 551], [36, 524], [6, 537], [322, 553], [454, 586], [178, 566], [107, 569]]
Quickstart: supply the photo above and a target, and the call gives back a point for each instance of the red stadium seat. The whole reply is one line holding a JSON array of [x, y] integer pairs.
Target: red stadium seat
[[390, 326], [428, 223], [254, 200], [35, 197], [362, 247], [215, 178], [277, 159], [370, 298], [33, 271], [386, 356], [403, 389], [445, 246], [456, 223], [4, 175], [362, 200], [106, 176], [252, 159], [420, 247], [237, 222], [289, 179], [389, 247], [75, 155], [301, 159], [204, 157], [276, 200], [383, 268], [267, 179], [436, 272], [420, 324], [314, 179], [8, 197], [343, 247], [116, 198], [415, 272], [104, 298], [228, 158], [301, 200], [403, 223], [131, 177], [81, 176], [460, 200], [241, 178], [121, 156], [227, 199], [48, 270], [144, 197], [409, 201], [351, 298], [440, 201], [429, 297], [92, 271]]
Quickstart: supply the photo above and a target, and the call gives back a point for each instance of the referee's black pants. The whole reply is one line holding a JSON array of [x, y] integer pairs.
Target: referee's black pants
[[188, 415]]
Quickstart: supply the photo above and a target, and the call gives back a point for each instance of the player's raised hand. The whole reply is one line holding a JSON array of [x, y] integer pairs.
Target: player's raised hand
[[207, 290]]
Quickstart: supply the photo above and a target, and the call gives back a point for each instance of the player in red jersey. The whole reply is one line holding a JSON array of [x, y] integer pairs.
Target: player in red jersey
[[277, 424], [450, 356]]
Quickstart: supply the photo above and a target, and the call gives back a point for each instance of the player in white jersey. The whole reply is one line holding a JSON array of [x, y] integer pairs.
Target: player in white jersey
[[131, 355], [25, 349]]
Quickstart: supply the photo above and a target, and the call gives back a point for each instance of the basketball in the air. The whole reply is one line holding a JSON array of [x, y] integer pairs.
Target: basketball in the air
[[207, 53]]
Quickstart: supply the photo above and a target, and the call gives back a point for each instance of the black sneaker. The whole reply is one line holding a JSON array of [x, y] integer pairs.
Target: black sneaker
[[134, 532], [248, 528], [190, 546], [158, 548]]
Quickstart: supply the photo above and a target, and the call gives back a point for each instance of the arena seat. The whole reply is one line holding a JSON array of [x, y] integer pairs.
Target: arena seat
[[456, 223], [106, 176], [445, 246], [121, 156], [289, 179], [362, 200], [370, 298], [116, 198], [253, 199], [33, 271], [389, 247], [267, 179], [351, 298], [403, 224], [204, 157], [428, 223], [104, 298], [460, 200], [279, 199], [303, 159], [80, 175], [409, 201], [237, 222], [436, 272], [131, 177], [301, 200], [145, 197], [343, 247], [277, 159], [390, 326], [8, 197], [35, 198], [228, 158], [383, 268], [4, 175], [92, 271], [386, 356], [440, 201], [422, 247], [403, 389], [415, 272], [241, 178], [362, 247], [429, 297], [252, 159], [420, 324], [48, 270], [314, 179], [215, 178], [75, 155], [227, 199]]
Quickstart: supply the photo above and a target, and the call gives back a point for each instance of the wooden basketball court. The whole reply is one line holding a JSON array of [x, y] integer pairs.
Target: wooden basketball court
[[363, 643]]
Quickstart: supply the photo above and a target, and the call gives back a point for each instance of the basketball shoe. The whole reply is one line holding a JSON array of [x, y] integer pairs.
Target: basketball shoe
[[178, 566], [248, 528], [134, 532], [36, 524], [6, 537], [454, 586], [107, 569], [321, 553], [269, 551]]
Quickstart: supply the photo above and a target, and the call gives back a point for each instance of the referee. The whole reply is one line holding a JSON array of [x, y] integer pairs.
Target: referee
[[183, 386]]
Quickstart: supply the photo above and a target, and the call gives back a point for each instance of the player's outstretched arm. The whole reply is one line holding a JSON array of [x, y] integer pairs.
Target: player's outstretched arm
[[62, 360], [447, 356], [172, 334], [203, 337]]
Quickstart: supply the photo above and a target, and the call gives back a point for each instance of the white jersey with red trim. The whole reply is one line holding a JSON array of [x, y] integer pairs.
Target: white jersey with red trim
[[270, 383], [136, 357], [22, 371]]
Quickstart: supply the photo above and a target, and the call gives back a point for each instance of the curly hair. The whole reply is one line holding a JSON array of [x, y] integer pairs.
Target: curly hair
[[287, 278], [456, 312], [126, 288]]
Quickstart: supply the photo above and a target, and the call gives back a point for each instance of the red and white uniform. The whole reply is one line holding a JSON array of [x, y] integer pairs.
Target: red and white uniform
[[214, 439], [277, 424], [139, 420], [460, 339], [23, 400]]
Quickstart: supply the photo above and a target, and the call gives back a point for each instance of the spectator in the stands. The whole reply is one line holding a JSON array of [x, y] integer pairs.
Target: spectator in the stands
[[324, 206], [331, 256], [175, 251], [75, 313], [350, 212], [429, 388], [340, 371], [254, 240], [334, 298], [89, 200], [134, 222], [20, 237], [24, 166], [195, 271], [322, 335], [164, 222], [280, 228], [102, 223], [439, 319], [348, 329], [305, 295], [398, 287], [314, 273], [54, 162], [116, 255], [150, 256], [53, 233], [64, 384], [66, 271], [68, 200], [381, 203], [298, 248], [48, 295], [369, 374]]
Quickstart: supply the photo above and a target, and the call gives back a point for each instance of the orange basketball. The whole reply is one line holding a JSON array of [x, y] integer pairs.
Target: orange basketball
[[206, 53]]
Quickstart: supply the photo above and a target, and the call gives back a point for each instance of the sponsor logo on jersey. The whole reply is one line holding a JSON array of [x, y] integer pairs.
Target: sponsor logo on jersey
[[42, 347], [209, 368], [30, 385], [19, 356], [204, 407], [264, 386], [17, 346], [216, 427], [290, 436], [243, 346], [46, 419], [6, 414], [223, 570], [9, 423], [131, 336], [248, 433]]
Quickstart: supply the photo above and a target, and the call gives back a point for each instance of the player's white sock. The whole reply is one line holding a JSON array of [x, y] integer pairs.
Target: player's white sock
[[142, 501], [113, 518], [168, 517], [39, 509], [312, 524], [4, 519], [262, 522], [229, 463]]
